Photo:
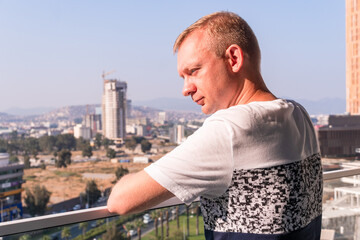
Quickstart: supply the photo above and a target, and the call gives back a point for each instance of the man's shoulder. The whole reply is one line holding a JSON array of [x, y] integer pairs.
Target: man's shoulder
[[253, 109]]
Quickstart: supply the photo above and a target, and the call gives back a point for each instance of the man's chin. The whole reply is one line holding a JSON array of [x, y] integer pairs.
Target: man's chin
[[206, 110]]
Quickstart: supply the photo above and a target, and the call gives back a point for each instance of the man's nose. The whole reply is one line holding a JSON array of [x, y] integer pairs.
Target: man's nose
[[189, 88]]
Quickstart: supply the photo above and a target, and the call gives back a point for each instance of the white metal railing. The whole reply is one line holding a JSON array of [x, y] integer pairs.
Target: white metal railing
[[340, 173], [60, 219]]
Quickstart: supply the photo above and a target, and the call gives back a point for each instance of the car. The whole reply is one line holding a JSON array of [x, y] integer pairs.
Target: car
[[76, 207], [147, 218], [132, 232]]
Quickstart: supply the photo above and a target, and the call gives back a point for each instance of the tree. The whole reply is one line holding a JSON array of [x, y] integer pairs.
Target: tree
[[110, 153], [63, 158], [167, 222], [14, 159], [106, 142], [26, 161], [178, 235], [65, 141], [92, 192], [128, 227], [100, 222], [83, 226], [47, 143], [139, 224], [155, 215], [3, 145], [130, 143], [65, 233], [14, 136], [112, 234], [120, 172], [138, 139], [46, 237], [31, 145], [162, 224], [81, 143], [187, 221], [145, 145], [43, 166], [37, 200], [13, 147], [25, 237], [177, 217], [98, 140], [87, 151]]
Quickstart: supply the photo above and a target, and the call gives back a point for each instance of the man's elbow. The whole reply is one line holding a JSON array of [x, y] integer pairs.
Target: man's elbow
[[117, 206], [111, 206]]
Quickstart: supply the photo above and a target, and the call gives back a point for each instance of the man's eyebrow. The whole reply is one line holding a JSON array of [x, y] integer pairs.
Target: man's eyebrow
[[188, 69]]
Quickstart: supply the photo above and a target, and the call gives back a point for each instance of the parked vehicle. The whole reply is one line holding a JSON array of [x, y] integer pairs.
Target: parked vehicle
[[147, 218], [132, 232], [77, 207]]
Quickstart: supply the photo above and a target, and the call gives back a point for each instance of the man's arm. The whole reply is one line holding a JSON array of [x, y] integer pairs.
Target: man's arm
[[136, 193]]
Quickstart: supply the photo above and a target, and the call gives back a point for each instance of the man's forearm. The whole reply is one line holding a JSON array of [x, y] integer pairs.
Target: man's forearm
[[136, 193]]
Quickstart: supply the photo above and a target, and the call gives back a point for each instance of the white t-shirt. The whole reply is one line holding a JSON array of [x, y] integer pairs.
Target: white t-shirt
[[256, 169], [255, 135]]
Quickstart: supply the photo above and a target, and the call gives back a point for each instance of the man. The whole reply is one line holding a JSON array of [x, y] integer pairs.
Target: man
[[254, 163]]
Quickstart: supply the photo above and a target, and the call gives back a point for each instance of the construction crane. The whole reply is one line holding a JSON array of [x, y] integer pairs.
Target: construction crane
[[107, 73]]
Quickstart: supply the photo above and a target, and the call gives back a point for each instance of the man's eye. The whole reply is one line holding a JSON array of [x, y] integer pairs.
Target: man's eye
[[193, 70]]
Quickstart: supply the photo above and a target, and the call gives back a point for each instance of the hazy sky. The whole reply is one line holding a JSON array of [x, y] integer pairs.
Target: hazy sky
[[52, 53]]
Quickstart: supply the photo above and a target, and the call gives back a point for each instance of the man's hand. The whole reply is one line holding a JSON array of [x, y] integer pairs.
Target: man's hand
[[136, 193]]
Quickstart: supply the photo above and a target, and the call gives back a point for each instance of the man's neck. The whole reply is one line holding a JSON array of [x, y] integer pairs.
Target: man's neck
[[254, 91]]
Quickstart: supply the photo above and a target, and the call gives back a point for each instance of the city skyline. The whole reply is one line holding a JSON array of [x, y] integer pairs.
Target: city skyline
[[53, 49]]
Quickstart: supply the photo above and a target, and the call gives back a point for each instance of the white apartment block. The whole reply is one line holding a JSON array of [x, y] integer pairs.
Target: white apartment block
[[114, 109], [162, 117], [82, 131], [177, 134]]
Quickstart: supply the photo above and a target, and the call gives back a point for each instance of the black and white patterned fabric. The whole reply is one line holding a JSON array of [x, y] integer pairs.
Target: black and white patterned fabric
[[274, 200]]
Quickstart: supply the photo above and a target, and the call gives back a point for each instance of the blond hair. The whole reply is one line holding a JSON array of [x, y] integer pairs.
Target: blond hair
[[224, 29]]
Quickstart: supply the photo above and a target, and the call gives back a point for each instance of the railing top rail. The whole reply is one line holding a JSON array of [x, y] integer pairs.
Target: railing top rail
[[60, 219], [341, 173]]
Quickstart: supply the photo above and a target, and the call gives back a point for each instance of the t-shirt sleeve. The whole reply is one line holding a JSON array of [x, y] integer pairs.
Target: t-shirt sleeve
[[201, 166]]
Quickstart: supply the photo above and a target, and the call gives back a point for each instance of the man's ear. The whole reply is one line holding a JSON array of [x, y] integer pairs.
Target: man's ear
[[235, 57]]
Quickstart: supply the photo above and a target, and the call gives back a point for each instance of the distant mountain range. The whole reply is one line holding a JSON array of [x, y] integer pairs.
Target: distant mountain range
[[314, 107], [28, 111], [171, 104], [322, 106]]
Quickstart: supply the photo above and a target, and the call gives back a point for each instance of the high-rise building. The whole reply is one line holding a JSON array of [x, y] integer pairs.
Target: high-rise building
[[128, 108], [93, 121], [114, 109], [162, 117], [177, 134], [11, 179], [353, 56]]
